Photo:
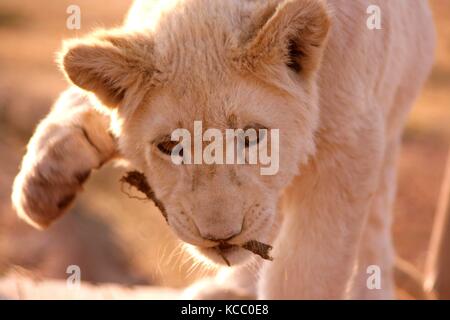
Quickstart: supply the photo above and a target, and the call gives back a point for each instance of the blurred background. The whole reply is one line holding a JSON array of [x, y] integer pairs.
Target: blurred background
[[116, 239]]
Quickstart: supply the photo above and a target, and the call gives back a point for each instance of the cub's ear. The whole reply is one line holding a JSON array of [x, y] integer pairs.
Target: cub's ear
[[292, 32], [108, 63]]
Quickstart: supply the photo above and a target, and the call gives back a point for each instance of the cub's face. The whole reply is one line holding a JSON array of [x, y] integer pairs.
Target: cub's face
[[211, 203], [263, 83]]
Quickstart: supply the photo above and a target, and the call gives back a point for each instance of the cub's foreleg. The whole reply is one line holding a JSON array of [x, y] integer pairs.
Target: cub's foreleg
[[376, 249], [324, 213], [67, 145]]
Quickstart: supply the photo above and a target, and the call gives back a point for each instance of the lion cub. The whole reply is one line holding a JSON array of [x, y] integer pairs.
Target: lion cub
[[337, 91]]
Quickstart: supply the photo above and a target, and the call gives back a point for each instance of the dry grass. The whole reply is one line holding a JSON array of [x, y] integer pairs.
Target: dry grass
[[425, 146], [115, 239]]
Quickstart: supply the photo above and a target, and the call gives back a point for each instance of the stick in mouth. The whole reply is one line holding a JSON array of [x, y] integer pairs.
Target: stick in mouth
[[256, 247], [139, 181]]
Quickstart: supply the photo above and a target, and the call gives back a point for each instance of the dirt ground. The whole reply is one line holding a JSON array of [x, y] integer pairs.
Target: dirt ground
[[116, 239]]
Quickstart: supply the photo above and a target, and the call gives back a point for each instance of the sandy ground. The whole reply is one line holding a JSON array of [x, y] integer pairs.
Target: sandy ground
[[117, 240]]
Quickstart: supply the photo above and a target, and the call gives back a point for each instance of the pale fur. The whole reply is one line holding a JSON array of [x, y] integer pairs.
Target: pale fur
[[224, 62]]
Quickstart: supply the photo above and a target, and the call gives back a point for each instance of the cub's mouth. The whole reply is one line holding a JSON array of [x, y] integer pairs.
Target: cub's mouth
[[230, 254], [227, 255], [224, 250]]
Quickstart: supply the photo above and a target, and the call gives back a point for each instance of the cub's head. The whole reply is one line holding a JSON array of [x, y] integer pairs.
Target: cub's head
[[217, 65]]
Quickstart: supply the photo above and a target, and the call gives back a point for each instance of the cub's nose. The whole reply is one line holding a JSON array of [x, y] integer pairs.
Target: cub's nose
[[218, 225]]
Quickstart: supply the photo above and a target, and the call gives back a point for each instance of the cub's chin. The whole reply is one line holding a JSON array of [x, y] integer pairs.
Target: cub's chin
[[232, 256]]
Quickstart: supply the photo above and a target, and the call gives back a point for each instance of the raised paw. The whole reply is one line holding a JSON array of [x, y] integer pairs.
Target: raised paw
[[64, 150]]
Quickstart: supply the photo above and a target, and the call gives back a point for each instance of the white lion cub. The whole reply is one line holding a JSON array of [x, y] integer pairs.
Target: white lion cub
[[337, 91]]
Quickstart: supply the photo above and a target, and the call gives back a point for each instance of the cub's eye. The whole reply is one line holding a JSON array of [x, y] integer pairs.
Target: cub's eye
[[167, 146], [254, 135]]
